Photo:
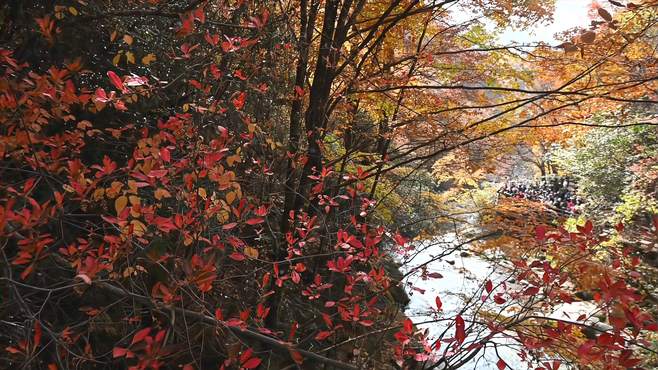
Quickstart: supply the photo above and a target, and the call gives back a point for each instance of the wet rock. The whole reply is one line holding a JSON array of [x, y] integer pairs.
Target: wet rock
[[584, 296]]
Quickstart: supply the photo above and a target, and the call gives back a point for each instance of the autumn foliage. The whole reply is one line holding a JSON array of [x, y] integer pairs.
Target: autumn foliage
[[197, 184]]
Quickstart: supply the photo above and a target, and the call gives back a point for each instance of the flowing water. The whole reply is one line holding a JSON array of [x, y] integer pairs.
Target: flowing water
[[463, 276]]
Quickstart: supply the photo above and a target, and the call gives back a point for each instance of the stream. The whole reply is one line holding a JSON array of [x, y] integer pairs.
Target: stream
[[462, 277]]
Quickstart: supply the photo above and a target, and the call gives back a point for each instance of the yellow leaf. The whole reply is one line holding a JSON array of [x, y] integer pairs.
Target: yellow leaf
[[138, 227], [186, 107], [132, 185], [59, 11], [130, 57], [120, 203], [73, 10], [114, 189], [250, 252], [116, 59], [271, 142], [98, 194], [129, 271], [128, 39], [162, 193], [232, 159], [134, 200], [230, 197], [202, 193], [223, 216], [113, 36], [148, 59]]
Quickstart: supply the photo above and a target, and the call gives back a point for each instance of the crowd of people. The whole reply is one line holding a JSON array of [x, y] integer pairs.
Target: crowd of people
[[557, 192]]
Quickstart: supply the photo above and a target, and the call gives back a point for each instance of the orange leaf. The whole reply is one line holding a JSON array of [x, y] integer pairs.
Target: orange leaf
[[120, 204]]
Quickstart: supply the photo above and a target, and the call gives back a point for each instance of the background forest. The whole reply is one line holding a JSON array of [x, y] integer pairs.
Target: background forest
[[313, 184]]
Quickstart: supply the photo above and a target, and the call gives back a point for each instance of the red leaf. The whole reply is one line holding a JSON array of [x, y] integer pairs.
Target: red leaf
[[199, 14], [460, 329], [531, 291], [37, 334], [212, 40], [116, 81], [252, 363], [165, 155], [501, 364], [439, 304], [489, 286], [101, 96], [587, 228], [327, 320], [246, 355], [140, 335], [421, 291], [296, 356], [160, 336], [238, 102], [408, 326], [255, 221], [540, 233], [323, 335], [229, 226], [401, 240], [234, 322], [239, 74], [261, 211], [237, 256], [421, 357], [119, 352]]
